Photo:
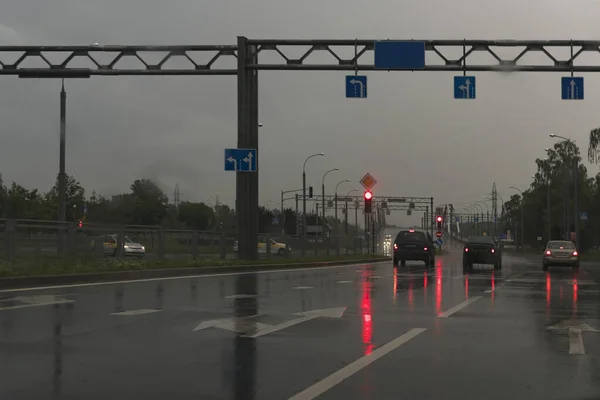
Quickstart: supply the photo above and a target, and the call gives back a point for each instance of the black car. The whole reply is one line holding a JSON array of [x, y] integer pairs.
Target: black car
[[482, 250], [414, 245]]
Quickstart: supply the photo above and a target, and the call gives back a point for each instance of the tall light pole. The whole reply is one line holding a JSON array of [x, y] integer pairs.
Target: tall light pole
[[304, 191], [575, 176], [346, 216], [323, 198], [335, 203], [522, 213]]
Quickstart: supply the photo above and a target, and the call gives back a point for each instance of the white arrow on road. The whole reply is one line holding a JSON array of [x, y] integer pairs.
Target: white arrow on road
[[336, 312], [572, 83], [238, 325], [362, 86], [574, 331], [248, 160], [234, 161]]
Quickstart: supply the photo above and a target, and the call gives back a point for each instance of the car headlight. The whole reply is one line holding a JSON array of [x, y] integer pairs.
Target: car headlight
[[126, 246], [143, 248]]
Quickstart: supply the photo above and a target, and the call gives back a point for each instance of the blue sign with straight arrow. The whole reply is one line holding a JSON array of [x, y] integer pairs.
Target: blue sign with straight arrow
[[240, 160]]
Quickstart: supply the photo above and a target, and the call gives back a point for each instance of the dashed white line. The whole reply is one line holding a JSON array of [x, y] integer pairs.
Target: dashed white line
[[240, 296], [459, 307], [302, 287], [136, 312], [49, 303], [337, 377], [342, 282]]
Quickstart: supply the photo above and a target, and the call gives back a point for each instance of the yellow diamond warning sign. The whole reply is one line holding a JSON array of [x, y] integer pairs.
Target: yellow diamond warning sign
[[368, 181]]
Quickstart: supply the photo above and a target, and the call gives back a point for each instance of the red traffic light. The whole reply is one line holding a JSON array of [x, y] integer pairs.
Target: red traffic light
[[80, 224], [368, 195], [439, 218]]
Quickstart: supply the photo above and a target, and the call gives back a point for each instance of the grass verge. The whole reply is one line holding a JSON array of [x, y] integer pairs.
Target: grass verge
[[82, 266]]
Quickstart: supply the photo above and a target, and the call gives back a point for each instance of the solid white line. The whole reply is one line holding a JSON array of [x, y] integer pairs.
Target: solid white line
[[49, 303], [240, 296], [459, 307], [136, 312], [576, 341], [337, 377], [184, 277]]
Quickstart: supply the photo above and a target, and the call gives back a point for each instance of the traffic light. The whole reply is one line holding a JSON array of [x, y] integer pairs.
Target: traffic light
[[80, 224], [368, 202], [310, 192], [439, 222]]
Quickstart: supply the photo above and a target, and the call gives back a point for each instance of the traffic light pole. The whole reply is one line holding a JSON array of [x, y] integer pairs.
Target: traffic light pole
[[431, 222]]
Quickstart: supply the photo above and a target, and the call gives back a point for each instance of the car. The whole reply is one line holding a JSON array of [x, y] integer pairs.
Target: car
[[130, 248], [281, 249], [560, 253], [482, 250], [414, 245]]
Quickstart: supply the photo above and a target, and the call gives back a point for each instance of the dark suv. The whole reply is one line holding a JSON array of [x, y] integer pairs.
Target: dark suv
[[414, 245], [482, 250]]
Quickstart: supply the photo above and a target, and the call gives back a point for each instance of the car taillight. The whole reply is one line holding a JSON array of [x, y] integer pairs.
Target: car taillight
[[575, 254], [548, 253], [466, 249], [395, 246], [424, 248], [493, 251]]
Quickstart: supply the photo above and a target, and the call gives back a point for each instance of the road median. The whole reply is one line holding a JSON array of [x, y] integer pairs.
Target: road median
[[21, 275]]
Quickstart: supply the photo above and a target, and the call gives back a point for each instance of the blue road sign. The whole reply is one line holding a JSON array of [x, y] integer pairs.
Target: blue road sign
[[356, 86], [503, 236], [572, 88], [457, 219], [475, 219], [438, 241], [464, 87], [85, 209], [275, 221], [583, 216], [241, 160], [399, 55]]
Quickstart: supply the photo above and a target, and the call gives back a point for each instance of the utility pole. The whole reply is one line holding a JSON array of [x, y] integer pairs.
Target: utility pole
[[576, 201], [62, 176]]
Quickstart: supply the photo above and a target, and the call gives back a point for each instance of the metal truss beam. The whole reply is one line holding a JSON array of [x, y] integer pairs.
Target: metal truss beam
[[442, 55]]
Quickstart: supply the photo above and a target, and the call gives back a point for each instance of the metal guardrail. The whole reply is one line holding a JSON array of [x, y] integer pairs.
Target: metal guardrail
[[37, 239]]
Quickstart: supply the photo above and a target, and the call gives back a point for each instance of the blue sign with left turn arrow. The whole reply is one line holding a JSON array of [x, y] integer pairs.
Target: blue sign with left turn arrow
[[240, 160]]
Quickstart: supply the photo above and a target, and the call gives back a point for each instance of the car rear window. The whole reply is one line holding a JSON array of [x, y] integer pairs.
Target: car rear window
[[406, 236], [561, 245], [481, 239]]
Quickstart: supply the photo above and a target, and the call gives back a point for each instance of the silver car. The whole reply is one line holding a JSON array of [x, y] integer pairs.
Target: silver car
[[130, 248], [560, 253]]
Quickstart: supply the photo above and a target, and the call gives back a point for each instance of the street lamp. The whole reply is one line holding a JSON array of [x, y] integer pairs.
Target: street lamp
[[335, 203], [355, 212], [522, 213], [304, 191], [323, 196]]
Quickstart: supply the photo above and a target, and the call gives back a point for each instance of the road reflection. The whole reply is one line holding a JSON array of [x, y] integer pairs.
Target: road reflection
[[245, 352], [366, 311]]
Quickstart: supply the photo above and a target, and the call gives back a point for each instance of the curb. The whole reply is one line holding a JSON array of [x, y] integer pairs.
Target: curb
[[19, 282]]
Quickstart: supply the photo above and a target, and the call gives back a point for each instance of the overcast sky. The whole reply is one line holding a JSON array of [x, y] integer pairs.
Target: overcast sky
[[410, 133]]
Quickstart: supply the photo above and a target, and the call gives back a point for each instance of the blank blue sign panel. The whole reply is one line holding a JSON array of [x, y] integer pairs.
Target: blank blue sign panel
[[571, 88], [399, 55]]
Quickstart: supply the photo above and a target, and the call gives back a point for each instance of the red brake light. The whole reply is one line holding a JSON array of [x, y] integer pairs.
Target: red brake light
[[424, 248], [411, 230], [548, 253], [493, 250], [575, 253], [395, 246], [466, 249]]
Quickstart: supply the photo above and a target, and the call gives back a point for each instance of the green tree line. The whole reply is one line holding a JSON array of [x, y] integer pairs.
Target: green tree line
[[562, 179]]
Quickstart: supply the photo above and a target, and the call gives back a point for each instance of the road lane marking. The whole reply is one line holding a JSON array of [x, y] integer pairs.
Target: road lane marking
[[49, 303], [337, 377], [576, 341], [459, 307], [240, 296], [136, 312], [336, 312], [342, 282], [302, 287], [170, 278]]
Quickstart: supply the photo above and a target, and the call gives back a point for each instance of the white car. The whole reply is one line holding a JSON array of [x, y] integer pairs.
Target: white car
[[130, 248]]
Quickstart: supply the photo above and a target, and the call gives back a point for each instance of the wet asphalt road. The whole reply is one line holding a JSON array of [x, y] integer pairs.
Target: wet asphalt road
[[352, 332]]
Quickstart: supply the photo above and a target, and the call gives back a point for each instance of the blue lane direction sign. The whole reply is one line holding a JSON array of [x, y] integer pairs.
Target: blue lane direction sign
[[572, 87], [464, 87], [356, 86], [583, 216], [240, 160], [399, 55]]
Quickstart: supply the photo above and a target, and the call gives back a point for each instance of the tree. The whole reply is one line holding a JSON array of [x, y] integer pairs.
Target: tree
[[196, 216], [149, 203], [225, 217], [75, 199]]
